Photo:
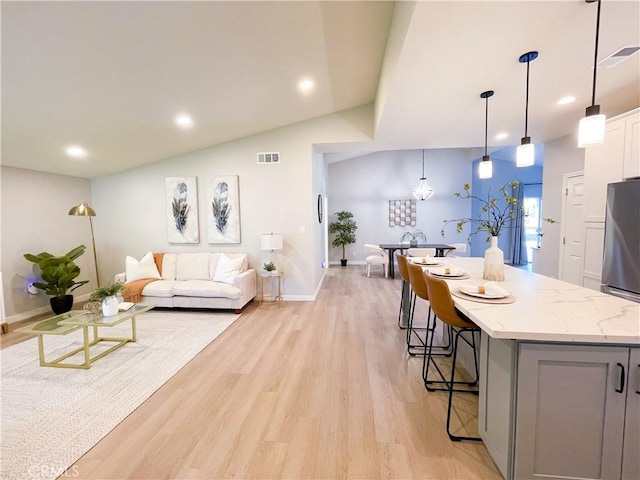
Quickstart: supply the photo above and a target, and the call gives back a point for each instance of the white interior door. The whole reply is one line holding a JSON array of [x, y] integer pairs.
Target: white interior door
[[572, 243]]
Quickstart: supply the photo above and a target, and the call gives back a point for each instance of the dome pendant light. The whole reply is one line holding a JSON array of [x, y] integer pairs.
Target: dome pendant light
[[485, 167], [525, 153], [592, 125], [423, 191]]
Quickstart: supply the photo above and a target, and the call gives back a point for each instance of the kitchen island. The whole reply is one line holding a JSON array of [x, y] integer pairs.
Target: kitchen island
[[560, 377]]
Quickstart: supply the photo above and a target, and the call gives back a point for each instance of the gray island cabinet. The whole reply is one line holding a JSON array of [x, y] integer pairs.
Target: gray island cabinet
[[560, 379]]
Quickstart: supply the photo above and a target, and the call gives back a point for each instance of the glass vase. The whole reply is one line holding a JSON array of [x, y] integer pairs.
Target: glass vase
[[493, 262]]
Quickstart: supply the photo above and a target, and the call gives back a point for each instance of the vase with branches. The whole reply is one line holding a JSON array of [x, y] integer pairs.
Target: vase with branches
[[496, 214], [414, 237]]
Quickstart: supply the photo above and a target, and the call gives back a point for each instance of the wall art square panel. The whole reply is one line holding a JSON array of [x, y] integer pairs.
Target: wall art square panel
[[182, 209], [223, 209], [402, 213]]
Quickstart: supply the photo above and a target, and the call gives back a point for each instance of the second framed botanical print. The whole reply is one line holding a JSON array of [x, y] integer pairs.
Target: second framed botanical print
[[223, 209]]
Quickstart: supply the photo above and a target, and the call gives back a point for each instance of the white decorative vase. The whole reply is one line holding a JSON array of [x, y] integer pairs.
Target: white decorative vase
[[109, 306], [493, 262]]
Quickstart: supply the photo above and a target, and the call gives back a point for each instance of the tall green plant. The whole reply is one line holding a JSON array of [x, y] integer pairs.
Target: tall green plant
[[58, 273], [344, 229]]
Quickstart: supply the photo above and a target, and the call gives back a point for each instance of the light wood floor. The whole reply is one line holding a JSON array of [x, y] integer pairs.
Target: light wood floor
[[299, 390]]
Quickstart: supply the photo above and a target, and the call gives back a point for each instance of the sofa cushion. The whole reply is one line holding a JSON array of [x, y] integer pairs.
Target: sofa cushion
[[227, 269], [193, 266], [169, 261], [205, 288], [159, 288], [216, 256], [137, 270]]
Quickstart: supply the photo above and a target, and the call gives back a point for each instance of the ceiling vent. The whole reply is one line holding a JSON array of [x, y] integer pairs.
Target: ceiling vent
[[268, 158], [617, 57]]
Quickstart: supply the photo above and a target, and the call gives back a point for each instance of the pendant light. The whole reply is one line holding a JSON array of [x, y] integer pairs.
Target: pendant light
[[592, 125], [423, 191], [525, 153], [485, 167]]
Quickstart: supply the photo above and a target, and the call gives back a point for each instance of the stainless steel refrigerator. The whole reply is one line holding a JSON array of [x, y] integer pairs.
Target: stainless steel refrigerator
[[621, 260]]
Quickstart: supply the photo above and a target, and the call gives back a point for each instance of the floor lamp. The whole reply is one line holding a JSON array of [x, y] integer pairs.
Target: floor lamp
[[84, 210]]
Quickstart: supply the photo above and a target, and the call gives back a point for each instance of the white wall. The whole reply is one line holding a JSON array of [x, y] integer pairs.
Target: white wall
[[35, 219], [273, 198], [560, 156], [364, 185]]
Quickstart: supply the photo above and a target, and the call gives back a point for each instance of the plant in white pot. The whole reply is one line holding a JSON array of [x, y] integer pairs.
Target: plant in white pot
[[107, 296], [496, 214]]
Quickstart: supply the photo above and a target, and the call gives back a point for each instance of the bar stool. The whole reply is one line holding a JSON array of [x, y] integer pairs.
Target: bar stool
[[406, 291], [419, 287], [443, 306]]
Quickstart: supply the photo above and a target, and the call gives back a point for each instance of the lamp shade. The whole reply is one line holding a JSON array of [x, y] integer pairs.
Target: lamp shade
[[525, 155], [271, 241], [591, 130], [83, 210], [485, 167]]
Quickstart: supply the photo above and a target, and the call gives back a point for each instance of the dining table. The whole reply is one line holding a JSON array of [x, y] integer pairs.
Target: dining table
[[542, 346], [441, 250]]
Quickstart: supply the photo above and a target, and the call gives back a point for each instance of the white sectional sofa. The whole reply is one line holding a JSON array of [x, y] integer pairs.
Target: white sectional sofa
[[190, 280]]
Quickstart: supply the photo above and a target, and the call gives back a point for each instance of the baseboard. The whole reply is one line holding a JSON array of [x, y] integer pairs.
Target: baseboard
[[18, 317], [306, 298], [350, 262]]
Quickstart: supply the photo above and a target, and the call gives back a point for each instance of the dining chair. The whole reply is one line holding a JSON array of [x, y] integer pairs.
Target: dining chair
[[407, 292], [459, 248], [378, 257], [419, 287], [421, 252], [444, 308]]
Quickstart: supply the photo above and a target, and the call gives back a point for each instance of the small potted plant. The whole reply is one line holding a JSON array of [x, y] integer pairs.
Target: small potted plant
[[414, 237], [107, 296], [344, 229], [270, 268]]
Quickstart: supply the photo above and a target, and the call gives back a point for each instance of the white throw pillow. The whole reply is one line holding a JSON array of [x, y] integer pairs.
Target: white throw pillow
[[145, 268], [227, 269]]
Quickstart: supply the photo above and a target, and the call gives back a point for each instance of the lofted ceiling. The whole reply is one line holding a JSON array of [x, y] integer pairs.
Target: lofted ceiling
[[111, 76]]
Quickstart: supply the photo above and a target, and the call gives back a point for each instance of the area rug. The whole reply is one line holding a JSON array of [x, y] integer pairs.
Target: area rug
[[52, 416]]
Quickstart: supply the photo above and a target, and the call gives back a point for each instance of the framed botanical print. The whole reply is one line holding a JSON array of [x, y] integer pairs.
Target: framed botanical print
[[223, 209], [182, 209]]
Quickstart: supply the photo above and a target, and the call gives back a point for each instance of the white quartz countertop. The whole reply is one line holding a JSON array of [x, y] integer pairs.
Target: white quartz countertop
[[547, 309]]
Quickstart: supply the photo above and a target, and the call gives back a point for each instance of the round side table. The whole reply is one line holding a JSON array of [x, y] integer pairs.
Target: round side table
[[278, 275]]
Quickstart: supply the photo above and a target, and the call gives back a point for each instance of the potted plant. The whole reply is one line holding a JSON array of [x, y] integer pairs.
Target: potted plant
[[496, 214], [58, 277], [414, 237], [344, 229], [107, 297], [271, 268]]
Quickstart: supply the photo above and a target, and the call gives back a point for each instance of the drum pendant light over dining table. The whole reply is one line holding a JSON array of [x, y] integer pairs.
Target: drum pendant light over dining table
[[423, 191], [525, 154]]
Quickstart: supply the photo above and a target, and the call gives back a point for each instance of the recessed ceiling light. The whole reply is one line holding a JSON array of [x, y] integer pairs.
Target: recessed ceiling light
[[184, 121], [305, 85], [76, 151], [501, 136], [566, 100]]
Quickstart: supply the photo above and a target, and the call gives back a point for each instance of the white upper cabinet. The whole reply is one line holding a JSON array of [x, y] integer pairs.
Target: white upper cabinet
[[631, 166], [603, 165]]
